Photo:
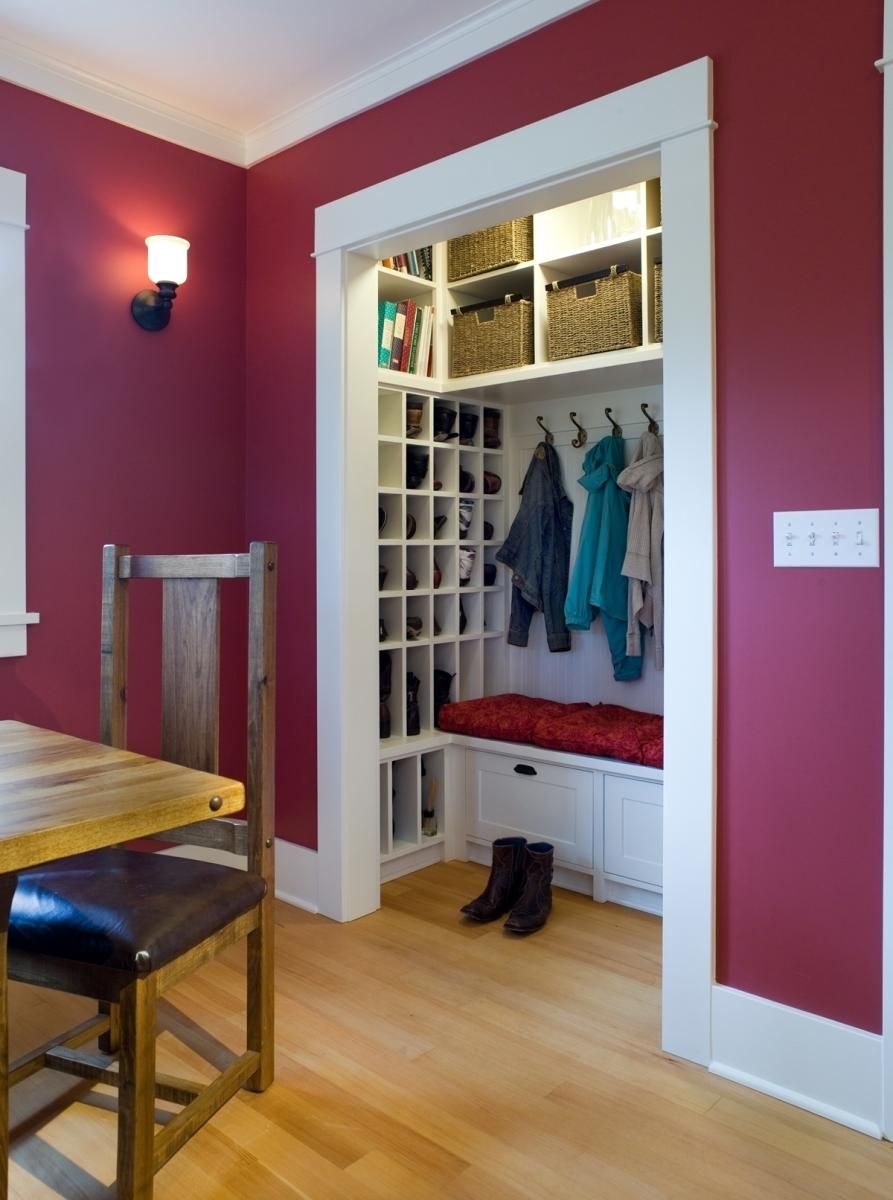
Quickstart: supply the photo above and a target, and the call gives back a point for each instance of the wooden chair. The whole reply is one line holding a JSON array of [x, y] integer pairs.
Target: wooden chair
[[120, 926]]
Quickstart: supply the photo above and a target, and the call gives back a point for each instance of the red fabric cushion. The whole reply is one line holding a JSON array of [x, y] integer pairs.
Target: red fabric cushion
[[605, 730], [508, 717]]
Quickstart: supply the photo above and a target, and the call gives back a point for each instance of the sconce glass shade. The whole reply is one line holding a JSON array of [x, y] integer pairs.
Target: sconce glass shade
[[167, 258]]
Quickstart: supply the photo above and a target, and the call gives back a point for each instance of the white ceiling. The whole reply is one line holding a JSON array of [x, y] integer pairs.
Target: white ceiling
[[244, 78]]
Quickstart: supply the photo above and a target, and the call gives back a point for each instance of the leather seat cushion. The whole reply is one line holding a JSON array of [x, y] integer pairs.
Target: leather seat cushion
[[105, 907]]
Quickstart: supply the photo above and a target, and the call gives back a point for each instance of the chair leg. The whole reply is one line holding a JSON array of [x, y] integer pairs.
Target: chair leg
[[136, 1091], [109, 1042], [261, 996]]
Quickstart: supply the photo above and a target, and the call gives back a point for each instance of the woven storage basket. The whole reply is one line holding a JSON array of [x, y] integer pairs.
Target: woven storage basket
[[595, 313], [658, 302], [492, 337], [498, 246]]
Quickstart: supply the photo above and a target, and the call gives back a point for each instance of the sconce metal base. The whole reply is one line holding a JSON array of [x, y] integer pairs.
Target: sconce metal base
[[152, 309]]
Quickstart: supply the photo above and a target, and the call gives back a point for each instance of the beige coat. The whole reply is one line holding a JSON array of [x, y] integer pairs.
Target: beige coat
[[643, 564]]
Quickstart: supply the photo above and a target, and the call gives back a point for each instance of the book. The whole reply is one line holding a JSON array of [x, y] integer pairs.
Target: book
[[409, 330], [387, 333], [397, 343], [416, 333]]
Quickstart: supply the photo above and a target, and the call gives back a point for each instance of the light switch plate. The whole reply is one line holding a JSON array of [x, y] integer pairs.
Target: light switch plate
[[831, 537]]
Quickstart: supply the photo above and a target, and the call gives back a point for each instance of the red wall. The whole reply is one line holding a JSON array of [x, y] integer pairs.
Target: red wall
[[132, 436], [798, 188]]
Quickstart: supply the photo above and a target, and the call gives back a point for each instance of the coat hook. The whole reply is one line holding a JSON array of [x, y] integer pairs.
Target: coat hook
[[550, 437], [582, 437], [653, 426], [616, 431]]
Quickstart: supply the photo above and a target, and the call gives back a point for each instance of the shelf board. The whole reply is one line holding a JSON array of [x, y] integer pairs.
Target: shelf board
[[625, 251], [493, 633], [389, 491], [396, 747], [399, 285], [402, 848], [404, 382], [390, 439], [493, 285], [641, 366]]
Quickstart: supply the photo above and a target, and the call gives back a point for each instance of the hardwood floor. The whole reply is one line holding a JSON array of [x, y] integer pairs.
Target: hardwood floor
[[420, 1058]]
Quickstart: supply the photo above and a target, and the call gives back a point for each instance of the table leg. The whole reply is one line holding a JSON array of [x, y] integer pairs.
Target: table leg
[[7, 889]]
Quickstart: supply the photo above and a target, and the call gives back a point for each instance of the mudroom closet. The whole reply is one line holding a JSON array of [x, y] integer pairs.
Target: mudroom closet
[[545, 331]]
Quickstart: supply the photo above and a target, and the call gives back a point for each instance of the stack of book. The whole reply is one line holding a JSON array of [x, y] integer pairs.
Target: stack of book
[[405, 335], [414, 262]]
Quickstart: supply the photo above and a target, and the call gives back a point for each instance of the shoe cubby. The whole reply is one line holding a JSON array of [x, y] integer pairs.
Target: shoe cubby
[[406, 803], [390, 414], [390, 615], [446, 614], [418, 562], [393, 699], [446, 471], [390, 578], [470, 478], [469, 517], [432, 780], [472, 604], [390, 518], [445, 526], [418, 518], [418, 663], [470, 566], [418, 617], [496, 675], [418, 418], [471, 670], [447, 558], [493, 465], [384, 809], [494, 513], [470, 426], [445, 417], [494, 612], [417, 468], [390, 465]]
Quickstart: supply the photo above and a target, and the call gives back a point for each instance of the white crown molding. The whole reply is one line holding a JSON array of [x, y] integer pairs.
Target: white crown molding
[[50, 77], [501, 23]]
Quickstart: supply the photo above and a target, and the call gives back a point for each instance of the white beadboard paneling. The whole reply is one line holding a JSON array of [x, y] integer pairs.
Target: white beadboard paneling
[[586, 673]]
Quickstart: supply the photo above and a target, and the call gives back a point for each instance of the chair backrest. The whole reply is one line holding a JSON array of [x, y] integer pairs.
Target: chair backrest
[[190, 687]]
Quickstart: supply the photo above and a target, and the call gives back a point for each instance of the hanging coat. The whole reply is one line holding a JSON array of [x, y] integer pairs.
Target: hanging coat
[[644, 562], [538, 551], [598, 585]]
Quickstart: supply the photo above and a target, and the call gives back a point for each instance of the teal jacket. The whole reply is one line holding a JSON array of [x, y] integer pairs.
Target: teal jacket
[[597, 585]]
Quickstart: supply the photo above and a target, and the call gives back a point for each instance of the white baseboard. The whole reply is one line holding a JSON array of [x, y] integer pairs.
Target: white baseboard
[[296, 870], [827, 1068]]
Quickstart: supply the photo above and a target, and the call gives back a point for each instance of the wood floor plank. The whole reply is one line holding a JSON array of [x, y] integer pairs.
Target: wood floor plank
[[423, 1058]]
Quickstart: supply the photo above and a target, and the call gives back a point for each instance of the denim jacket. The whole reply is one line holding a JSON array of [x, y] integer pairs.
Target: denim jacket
[[538, 551]]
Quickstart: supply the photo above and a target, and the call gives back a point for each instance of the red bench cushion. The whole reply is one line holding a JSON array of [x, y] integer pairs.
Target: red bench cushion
[[607, 731], [508, 717]]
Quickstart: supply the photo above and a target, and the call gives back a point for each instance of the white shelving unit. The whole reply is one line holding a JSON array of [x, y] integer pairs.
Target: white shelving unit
[[463, 627]]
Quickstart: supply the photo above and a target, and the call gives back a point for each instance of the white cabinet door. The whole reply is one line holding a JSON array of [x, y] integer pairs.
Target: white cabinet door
[[634, 830], [521, 797]]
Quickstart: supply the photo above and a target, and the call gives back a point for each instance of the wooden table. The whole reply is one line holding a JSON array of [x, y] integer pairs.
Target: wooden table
[[60, 795]]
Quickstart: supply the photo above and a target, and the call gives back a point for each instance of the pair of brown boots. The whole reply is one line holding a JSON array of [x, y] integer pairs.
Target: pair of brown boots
[[520, 884]]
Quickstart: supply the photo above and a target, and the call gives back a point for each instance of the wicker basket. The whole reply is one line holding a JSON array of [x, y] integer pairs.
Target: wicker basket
[[595, 313], [492, 337], [658, 302], [488, 249]]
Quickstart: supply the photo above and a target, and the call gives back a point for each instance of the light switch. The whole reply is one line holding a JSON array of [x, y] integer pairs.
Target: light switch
[[832, 537]]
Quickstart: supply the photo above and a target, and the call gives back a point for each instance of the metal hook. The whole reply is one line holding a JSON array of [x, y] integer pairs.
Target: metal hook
[[616, 431], [653, 426], [550, 438], [582, 437]]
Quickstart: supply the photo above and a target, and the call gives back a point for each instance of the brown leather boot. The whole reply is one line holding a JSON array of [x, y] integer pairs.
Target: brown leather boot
[[535, 903], [505, 884]]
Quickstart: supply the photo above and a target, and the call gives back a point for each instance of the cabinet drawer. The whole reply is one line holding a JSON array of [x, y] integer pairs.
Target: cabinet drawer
[[634, 830], [521, 797]]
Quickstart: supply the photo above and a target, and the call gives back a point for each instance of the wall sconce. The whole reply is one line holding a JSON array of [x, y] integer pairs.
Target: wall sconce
[[167, 268]]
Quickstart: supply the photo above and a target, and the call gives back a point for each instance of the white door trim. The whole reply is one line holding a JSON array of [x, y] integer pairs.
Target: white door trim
[[661, 125], [14, 620], [884, 64]]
